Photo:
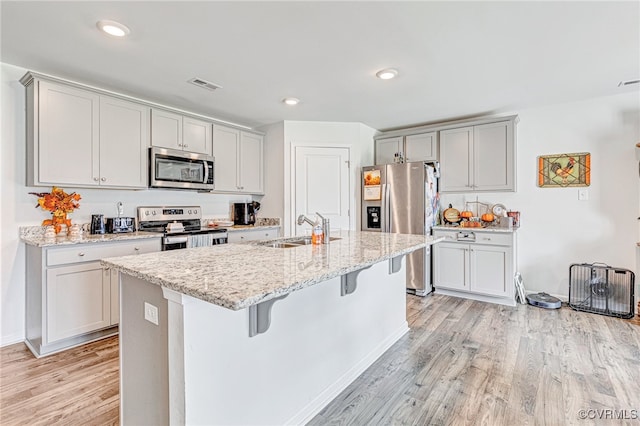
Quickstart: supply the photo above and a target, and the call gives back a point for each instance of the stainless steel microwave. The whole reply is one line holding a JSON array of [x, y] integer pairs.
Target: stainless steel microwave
[[170, 168]]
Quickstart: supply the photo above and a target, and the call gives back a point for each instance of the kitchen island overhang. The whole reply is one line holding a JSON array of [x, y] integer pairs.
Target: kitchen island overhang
[[205, 363]]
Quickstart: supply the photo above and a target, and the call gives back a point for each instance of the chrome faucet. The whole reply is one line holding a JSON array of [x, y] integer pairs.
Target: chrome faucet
[[302, 219], [326, 228]]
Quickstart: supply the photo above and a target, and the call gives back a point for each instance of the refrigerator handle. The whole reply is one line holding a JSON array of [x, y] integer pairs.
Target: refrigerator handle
[[387, 207]]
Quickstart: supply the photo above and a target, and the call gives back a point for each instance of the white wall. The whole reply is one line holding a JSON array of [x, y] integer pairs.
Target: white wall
[[557, 229], [17, 206], [279, 139], [272, 203]]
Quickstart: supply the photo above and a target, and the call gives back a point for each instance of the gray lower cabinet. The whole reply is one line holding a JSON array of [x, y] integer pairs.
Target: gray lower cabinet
[[476, 265], [71, 299]]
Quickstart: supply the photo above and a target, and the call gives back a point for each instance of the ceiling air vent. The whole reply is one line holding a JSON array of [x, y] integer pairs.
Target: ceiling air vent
[[628, 83], [204, 84]]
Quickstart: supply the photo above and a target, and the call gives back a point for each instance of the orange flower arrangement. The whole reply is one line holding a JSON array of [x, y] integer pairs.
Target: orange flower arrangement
[[59, 203]]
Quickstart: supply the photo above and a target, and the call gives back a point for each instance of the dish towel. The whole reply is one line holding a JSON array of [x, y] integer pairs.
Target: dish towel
[[203, 240]]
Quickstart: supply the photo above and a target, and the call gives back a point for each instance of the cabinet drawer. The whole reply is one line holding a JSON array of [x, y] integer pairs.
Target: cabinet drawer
[[470, 237], [253, 235], [93, 252]]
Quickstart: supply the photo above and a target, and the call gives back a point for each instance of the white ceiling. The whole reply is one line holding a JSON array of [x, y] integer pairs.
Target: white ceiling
[[456, 59]]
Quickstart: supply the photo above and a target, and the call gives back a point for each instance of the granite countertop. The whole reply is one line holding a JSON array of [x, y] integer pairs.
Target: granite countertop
[[459, 228], [34, 236], [237, 276]]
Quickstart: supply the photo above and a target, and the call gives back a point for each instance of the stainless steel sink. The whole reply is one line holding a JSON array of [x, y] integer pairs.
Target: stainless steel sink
[[280, 245], [307, 240], [296, 242]]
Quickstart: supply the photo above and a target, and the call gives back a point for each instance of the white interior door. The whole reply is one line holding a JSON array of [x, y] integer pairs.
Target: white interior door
[[321, 184]]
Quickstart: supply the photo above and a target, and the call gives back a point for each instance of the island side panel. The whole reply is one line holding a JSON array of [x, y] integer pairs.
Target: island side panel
[[144, 380], [318, 343]]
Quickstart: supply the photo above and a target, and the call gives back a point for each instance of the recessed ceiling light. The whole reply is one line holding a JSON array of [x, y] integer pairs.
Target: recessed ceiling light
[[113, 28], [387, 73], [291, 101]]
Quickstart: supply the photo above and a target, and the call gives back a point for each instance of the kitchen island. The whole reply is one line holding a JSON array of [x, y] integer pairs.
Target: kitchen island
[[255, 334]]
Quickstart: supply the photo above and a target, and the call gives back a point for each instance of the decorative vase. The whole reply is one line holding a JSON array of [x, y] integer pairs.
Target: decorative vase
[[60, 223]]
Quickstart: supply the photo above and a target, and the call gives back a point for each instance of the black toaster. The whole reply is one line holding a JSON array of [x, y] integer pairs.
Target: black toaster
[[120, 225]]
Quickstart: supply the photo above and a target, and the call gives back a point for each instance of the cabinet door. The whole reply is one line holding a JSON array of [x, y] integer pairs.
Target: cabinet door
[[77, 300], [251, 160], [226, 145], [112, 277], [490, 270], [456, 157], [387, 148], [196, 135], [124, 138], [68, 135], [451, 266], [494, 157], [166, 129], [422, 147]]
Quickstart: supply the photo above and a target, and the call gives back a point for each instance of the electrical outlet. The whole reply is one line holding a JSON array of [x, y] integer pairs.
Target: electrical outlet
[[583, 194], [151, 313]]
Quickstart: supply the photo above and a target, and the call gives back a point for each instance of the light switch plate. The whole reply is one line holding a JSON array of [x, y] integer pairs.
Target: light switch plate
[[583, 194], [151, 313]]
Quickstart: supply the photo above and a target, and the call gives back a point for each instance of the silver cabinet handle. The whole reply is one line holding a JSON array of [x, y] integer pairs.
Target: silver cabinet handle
[[96, 179], [103, 179], [136, 248], [81, 254], [185, 145]]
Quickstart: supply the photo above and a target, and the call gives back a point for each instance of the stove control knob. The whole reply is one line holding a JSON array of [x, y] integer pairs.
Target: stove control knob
[[153, 212], [146, 212], [189, 211]]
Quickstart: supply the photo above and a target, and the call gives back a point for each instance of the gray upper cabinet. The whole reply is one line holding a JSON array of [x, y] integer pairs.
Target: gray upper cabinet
[[124, 128], [478, 158], [387, 148], [82, 138], [180, 132], [421, 147], [239, 161], [415, 147]]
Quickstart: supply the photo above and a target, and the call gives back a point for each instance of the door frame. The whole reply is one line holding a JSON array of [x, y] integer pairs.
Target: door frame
[[289, 208]]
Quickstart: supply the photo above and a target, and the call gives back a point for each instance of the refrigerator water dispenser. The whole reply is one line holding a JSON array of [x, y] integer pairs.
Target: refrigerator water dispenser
[[373, 217]]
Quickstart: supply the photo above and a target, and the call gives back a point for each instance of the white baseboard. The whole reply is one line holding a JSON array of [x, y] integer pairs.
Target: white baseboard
[[315, 406], [11, 340]]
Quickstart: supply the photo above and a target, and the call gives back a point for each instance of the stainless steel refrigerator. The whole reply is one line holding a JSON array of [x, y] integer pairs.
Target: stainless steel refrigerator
[[403, 198]]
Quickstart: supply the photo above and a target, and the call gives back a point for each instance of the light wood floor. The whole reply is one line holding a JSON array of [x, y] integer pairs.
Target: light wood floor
[[76, 387], [463, 362]]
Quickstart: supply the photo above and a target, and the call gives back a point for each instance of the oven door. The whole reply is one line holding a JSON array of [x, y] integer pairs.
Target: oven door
[[175, 242], [169, 168]]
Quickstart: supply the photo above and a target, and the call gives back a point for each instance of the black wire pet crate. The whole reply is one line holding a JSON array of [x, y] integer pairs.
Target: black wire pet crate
[[601, 289]]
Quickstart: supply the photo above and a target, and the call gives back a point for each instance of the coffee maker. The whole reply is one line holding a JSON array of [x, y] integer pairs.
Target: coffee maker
[[245, 213], [97, 224]]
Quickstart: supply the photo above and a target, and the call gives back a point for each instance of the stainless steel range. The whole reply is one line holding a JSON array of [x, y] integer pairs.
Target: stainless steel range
[[182, 227]]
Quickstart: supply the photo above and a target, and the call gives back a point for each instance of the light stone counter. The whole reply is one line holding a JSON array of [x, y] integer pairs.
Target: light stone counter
[[465, 229], [34, 236], [237, 276]]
